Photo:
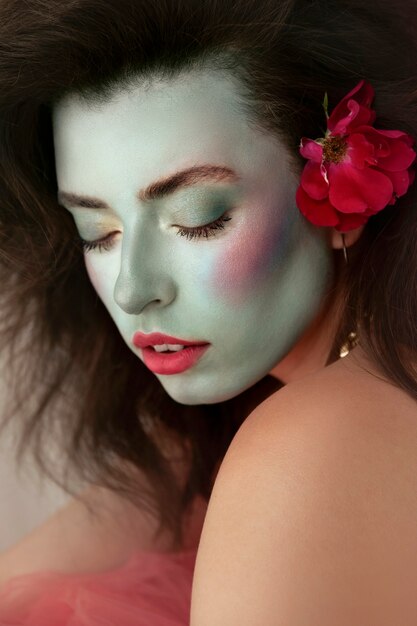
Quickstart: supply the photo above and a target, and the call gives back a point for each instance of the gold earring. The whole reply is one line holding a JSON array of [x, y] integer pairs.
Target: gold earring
[[352, 338], [351, 341]]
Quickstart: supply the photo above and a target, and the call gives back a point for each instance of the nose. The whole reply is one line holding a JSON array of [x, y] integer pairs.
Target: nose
[[145, 274]]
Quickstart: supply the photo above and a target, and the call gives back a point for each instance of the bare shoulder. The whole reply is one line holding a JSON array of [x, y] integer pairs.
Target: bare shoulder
[[316, 500], [348, 426], [95, 532], [349, 396]]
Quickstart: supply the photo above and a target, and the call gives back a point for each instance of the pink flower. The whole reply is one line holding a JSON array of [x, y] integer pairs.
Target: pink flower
[[356, 170]]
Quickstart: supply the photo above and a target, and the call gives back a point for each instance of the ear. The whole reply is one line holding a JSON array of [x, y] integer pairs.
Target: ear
[[351, 237]]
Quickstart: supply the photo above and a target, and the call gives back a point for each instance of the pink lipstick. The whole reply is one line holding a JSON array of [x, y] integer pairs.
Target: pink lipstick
[[184, 353]]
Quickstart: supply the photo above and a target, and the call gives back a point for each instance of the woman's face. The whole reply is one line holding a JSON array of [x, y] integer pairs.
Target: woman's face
[[251, 287]]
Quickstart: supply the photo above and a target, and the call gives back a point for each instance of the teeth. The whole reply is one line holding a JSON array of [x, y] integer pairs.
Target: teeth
[[166, 346]]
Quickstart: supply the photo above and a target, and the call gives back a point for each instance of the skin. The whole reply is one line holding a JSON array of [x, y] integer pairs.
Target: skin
[[256, 289]]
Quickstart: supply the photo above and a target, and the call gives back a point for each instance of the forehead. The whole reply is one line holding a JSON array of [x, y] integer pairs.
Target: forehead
[[148, 129]]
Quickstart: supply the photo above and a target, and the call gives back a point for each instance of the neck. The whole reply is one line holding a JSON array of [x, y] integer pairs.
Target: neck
[[311, 351]]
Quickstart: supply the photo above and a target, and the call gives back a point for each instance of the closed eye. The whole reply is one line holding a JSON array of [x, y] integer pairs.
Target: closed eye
[[208, 230]]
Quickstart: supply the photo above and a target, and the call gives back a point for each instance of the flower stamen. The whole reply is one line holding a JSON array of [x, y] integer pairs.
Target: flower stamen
[[334, 149]]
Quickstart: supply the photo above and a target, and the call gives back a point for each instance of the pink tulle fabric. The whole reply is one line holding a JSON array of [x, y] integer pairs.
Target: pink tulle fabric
[[151, 589]]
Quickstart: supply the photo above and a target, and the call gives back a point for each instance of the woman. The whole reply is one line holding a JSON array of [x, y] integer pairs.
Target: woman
[[219, 175]]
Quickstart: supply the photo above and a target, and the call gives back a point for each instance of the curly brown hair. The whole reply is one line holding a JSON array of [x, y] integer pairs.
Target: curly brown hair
[[71, 375]]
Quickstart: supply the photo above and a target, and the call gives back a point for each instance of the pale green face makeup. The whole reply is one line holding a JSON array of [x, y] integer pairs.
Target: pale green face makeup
[[250, 289]]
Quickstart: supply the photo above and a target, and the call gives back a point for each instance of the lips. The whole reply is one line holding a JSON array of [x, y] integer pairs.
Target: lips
[[169, 362], [141, 340], [173, 362]]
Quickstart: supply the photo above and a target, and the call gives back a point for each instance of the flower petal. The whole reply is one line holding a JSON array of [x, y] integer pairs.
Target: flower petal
[[312, 150], [395, 134], [400, 158], [353, 190], [349, 221], [393, 148], [361, 152], [318, 212], [401, 181], [353, 110], [313, 181]]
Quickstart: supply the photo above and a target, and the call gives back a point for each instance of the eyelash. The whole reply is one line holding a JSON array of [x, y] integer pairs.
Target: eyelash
[[189, 233]]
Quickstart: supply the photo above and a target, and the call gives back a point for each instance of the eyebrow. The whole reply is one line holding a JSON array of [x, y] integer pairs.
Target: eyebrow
[[160, 188]]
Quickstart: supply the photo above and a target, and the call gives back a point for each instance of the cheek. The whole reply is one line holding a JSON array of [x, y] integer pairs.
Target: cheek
[[95, 276], [251, 256]]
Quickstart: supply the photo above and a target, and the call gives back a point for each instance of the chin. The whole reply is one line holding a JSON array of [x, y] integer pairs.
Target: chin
[[190, 392], [194, 396]]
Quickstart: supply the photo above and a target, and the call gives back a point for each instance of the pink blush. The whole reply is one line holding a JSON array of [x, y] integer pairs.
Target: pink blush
[[250, 257]]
